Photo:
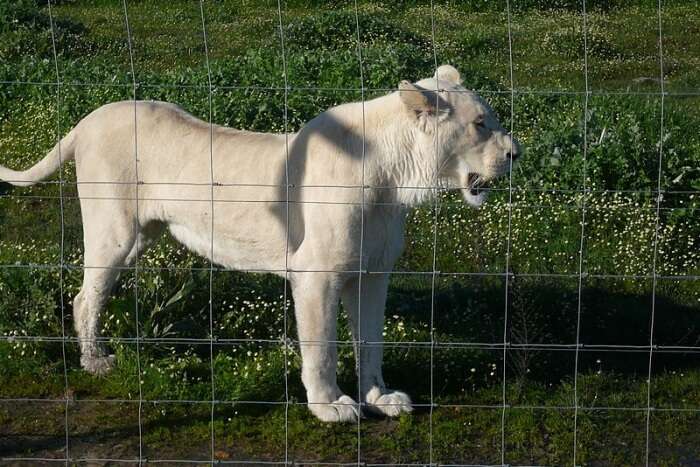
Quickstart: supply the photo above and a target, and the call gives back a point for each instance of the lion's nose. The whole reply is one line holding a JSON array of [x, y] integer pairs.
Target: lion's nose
[[512, 149]]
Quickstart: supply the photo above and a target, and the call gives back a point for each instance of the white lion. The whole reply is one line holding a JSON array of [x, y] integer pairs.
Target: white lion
[[294, 205]]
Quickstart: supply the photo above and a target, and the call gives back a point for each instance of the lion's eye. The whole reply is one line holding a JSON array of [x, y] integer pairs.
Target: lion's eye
[[479, 122]]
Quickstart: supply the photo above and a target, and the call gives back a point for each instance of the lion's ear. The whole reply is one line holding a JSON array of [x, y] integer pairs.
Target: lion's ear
[[416, 99], [423, 104], [448, 73]]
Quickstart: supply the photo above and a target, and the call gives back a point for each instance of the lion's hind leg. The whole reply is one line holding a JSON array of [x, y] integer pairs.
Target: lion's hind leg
[[110, 236], [98, 279]]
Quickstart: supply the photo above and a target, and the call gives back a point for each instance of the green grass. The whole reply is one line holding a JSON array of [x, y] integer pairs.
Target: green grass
[[622, 132], [250, 431]]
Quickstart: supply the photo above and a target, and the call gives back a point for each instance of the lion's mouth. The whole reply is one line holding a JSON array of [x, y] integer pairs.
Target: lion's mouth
[[476, 184]]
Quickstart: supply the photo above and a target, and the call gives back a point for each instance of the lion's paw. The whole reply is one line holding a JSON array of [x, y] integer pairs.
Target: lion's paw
[[344, 409], [98, 365], [390, 404]]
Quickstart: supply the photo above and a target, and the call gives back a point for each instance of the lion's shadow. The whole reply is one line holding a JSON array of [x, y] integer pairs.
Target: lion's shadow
[[541, 332]]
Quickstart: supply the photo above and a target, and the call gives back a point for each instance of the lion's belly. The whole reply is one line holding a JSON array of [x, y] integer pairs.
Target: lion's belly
[[233, 253], [233, 248], [248, 234]]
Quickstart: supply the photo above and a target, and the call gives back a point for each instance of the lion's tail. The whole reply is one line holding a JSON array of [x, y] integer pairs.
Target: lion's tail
[[62, 152]]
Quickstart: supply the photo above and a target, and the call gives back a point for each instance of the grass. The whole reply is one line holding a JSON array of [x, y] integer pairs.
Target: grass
[[621, 134], [256, 432]]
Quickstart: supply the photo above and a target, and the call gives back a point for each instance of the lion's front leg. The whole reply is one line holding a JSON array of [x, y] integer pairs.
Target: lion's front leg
[[365, 307], [316, 297]]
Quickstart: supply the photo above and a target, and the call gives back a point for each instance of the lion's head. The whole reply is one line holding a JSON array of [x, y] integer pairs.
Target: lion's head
[[473, 148]]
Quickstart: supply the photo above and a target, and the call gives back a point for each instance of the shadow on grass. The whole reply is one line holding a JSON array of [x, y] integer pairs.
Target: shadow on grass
[[541, 312], [96, 424]]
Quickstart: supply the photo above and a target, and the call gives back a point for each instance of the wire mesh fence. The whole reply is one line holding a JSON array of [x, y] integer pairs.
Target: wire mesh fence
[[578, 201]]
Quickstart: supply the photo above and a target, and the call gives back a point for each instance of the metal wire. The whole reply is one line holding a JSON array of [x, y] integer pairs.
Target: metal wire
[[436, 343], [256, 462], [436, 208], [642, 409], [508, 237], [138, 219], [287, 222], [523, 91], [511, 275], [437, 186], [583, 230], [360, 265], [656, 236], [517, 204], [211, 246], [63, 234], [440, 188]]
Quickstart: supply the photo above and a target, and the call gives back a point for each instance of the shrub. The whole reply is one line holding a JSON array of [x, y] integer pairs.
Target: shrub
[[25, 30], [337, 30]]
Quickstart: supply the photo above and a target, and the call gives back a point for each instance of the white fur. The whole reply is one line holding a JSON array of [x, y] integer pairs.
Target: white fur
[[397, 146]]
